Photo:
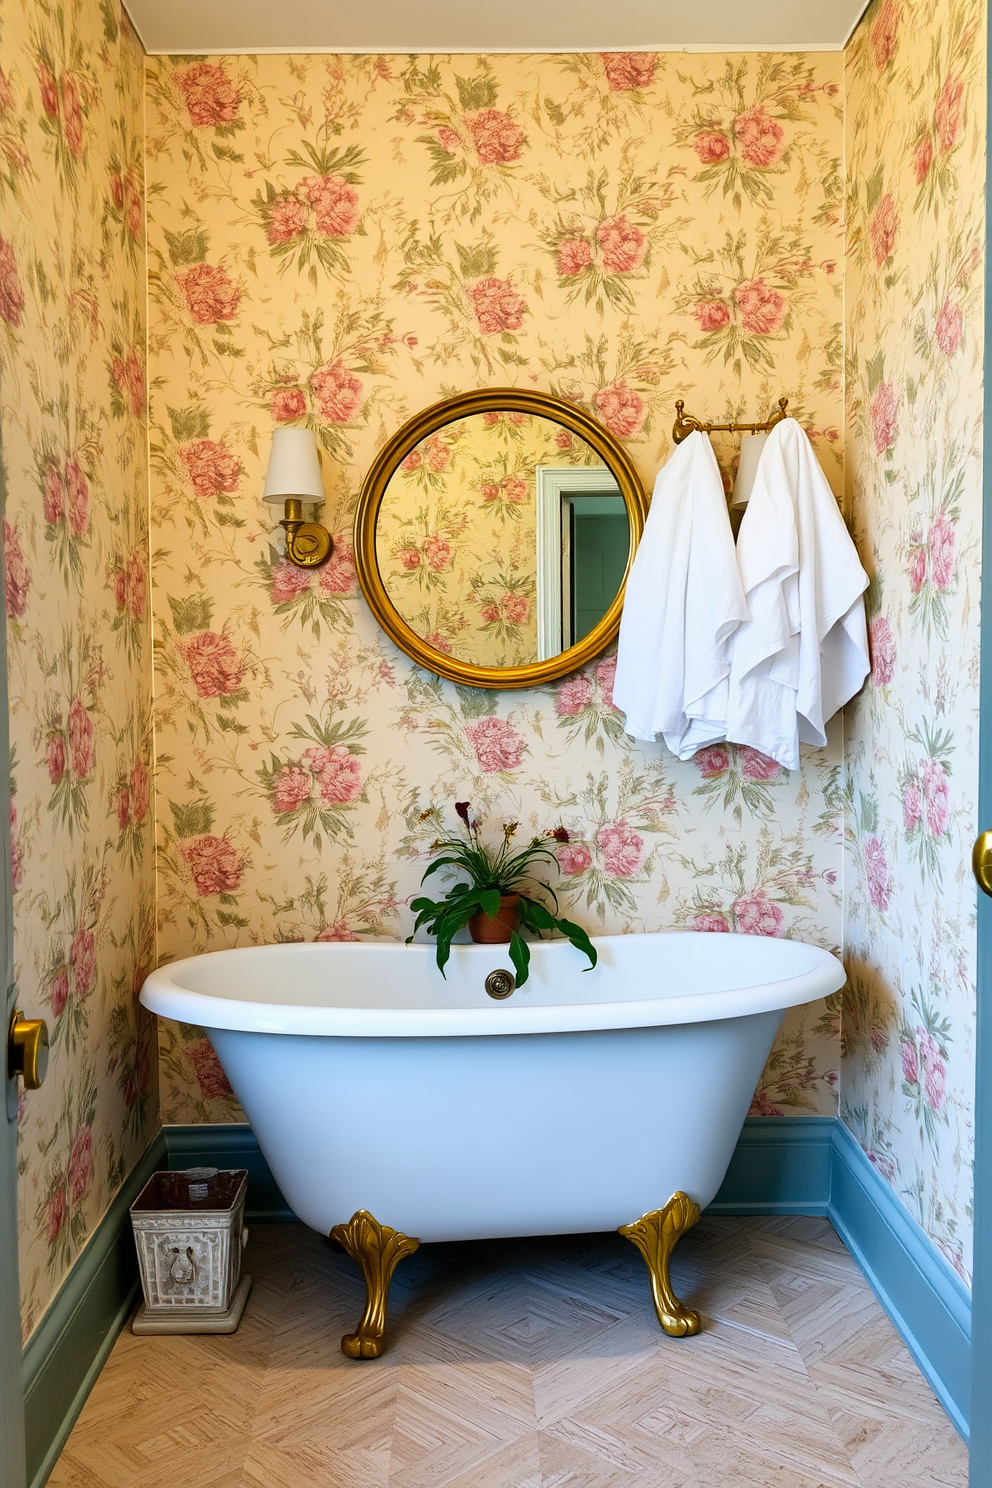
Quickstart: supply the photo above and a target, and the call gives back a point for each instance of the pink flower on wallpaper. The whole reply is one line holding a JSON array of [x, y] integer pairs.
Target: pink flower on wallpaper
[[934, 1070], [756, 914], [123, 807], [760, 139], [337, 575], [622, 245], [515, 489], [606, 673], [55, 1214], [288, 404], [878, 1038], [438, 553], [884, 413], [338, 772], [80, 739], [621, 409], [215, 864], [573, 695], [491, 614], [489, 491], [82, 958], [291, 788], [497, 305], [711, 924], [339, 932], [917, 562], [438, 454], [883, 651], [289, 582], [757, 766], [211, 294], [49, 92], [761, 1105], [210, 1076], [77, 492], [140, 793], [132, 382], [712, 761], [334, 202], [410, 559], [877, 873], [711, 146], [882, 229], [949, 326], [497, 138], [214, 664], [72, 114], [626, 71], [135, 584], [11, 291], [55, 756], [516, 608], [574, 256], [923, 159], [563, 439], [936, 797], [497, 744], [59, 991], [134, 203], [912, 806], [18, 574], [761, 310], [16, 855], [573, 858], [53, 499], [439, 641], [712, 315], [882, 38], [338, 393], [210, 96], [448, 138], [947, 114], [81, 1163], [413, 461], [286, 219], [621, 849], [941, 542]]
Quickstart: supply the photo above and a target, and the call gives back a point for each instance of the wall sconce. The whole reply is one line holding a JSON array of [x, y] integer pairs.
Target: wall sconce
[[293, 477]]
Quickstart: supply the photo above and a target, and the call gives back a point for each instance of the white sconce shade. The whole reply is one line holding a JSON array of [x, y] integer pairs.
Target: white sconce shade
[[747, 467], [294, 467]]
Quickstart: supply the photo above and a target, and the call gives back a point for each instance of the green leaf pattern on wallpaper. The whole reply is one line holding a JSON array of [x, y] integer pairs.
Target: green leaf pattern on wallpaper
[[915, 122], [72, 362]]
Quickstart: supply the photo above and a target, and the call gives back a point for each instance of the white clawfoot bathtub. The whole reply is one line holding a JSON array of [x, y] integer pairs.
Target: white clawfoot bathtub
[[581, 1102]]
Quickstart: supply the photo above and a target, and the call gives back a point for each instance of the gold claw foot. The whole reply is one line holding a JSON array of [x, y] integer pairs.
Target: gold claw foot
[[378, 1251], [655, 1236]]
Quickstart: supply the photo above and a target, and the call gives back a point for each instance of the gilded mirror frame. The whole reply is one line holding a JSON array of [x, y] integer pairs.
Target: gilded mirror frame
[[387, 461]]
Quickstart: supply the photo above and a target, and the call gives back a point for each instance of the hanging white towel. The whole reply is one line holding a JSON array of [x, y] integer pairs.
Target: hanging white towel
[[803, 651], [683, 603]]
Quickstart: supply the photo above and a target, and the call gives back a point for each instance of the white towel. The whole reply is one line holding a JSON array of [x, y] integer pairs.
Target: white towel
[[803, 651], [683, 603]]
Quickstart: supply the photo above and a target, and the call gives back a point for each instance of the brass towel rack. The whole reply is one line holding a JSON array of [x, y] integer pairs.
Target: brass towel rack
[[685, 423]]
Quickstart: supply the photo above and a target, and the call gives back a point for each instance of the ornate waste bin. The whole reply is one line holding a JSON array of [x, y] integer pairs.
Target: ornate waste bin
[[189, 1232]]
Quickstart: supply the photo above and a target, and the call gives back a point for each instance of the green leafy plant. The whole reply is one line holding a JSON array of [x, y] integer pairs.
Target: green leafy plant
[[493, 873]]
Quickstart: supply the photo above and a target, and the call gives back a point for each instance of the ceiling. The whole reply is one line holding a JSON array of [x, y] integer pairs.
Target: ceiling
[[188, 26]]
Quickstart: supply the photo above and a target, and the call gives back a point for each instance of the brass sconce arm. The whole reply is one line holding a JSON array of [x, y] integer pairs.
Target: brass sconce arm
[[308, 545]]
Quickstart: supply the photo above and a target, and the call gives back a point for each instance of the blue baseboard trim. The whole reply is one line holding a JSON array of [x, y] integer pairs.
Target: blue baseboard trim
[[923, 1295], [69, 1347], [782, 1165]]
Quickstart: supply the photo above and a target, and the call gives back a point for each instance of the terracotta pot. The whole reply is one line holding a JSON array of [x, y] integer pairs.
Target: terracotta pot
[[497, 929]]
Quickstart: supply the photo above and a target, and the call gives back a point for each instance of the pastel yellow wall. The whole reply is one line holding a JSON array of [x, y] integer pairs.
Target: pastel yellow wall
[[72, 364], [341, 241]]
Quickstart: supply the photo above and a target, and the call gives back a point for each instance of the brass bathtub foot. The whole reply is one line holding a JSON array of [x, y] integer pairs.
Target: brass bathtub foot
[[378, 1250], [655, 1236]]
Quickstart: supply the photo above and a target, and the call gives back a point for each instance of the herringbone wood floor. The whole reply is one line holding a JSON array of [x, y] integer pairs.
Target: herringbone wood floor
[[530, 1364]]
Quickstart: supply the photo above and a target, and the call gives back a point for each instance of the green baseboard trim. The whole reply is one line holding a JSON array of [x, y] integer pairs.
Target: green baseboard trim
[[67, 1350], [230, 1146], [781, 1165]]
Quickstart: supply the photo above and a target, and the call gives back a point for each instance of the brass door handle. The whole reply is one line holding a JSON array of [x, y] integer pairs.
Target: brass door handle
[[981, 861], [27, 1050]]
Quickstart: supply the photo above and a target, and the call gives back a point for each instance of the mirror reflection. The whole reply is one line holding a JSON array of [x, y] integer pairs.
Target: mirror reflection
[[502, 539]]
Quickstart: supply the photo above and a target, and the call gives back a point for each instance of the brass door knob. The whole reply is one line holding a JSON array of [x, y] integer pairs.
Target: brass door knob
[[27, 1050], [981, 861]]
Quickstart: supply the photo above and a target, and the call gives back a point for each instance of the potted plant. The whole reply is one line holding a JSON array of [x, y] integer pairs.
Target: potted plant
[[496, 895]]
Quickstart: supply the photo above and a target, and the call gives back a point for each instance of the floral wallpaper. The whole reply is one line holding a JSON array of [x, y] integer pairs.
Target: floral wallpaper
[[72, 360], [341, 241], [456, 538], [916, 152]]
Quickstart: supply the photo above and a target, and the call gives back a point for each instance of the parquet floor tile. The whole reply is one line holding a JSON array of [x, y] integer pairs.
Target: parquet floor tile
[[533, 1363]]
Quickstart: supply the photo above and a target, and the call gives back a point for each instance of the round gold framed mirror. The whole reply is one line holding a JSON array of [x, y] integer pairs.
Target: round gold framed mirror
[[494, 535]]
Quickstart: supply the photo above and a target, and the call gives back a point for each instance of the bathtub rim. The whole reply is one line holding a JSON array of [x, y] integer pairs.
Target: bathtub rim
[[161, 994]]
